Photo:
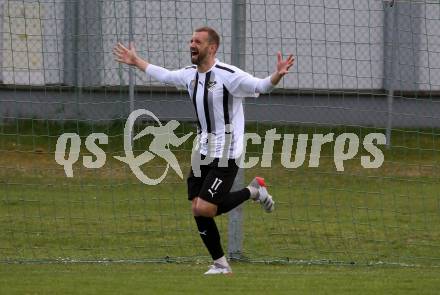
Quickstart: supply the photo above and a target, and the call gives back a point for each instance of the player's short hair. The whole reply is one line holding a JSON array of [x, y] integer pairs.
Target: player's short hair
[[213, 36]]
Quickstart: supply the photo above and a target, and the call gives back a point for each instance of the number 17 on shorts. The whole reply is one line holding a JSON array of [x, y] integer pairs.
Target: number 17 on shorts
[[213, 189]]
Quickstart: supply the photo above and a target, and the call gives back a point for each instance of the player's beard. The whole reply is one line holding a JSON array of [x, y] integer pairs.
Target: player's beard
[[199, 58]]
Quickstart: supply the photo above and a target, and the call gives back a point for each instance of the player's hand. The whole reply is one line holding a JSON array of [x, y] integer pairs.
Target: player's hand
[[125, 55], [283, 66]]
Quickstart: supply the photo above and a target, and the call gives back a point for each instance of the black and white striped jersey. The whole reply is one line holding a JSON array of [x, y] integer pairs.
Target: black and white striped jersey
[[217, 96]]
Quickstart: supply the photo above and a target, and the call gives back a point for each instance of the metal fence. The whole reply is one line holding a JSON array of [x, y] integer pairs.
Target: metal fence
[[338, 44], [362, 50]]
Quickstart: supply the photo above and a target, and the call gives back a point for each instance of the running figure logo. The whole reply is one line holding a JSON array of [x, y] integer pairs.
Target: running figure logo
[[164, 136]]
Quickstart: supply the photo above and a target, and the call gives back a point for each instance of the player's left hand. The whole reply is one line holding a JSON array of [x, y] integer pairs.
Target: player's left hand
[[283, 66]]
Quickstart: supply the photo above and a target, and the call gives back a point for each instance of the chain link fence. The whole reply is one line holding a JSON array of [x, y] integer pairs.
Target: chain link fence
[[338, 44]]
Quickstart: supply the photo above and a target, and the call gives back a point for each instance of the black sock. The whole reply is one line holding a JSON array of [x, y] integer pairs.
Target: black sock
[[232, 200], [210, 236]]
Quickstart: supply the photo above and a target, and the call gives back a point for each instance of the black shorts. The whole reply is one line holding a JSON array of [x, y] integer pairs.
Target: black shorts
[[214, 181]]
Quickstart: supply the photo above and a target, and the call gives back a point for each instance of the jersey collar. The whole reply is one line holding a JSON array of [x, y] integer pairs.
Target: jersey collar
[[216, 61]]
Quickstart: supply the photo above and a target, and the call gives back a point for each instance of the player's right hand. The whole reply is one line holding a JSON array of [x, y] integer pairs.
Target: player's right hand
[[125, 55]]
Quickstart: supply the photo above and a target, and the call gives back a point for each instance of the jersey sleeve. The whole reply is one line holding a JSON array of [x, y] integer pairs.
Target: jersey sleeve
[[176, 78], [242, 84]]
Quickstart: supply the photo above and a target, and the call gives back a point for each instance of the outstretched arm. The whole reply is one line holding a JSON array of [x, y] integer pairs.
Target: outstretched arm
[[283, 67], [266, 85], [177, 141], [129, 56], [244, 85]]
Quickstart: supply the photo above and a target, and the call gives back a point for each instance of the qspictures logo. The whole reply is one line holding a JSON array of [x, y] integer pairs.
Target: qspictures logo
[[346, 147], [163, 137]]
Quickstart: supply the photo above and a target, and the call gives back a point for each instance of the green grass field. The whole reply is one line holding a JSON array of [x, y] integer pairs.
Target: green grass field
[[387, 216], [187, 279]]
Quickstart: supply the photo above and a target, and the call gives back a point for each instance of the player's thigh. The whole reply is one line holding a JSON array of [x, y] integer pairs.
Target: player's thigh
[[218, 182], [195, 183]]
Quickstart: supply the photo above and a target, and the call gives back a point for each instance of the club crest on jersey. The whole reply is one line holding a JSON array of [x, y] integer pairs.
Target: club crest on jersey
[[211, 85], [192, 84]]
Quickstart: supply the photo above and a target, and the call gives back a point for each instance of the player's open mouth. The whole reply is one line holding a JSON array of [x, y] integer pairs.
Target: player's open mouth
[[194, 53]]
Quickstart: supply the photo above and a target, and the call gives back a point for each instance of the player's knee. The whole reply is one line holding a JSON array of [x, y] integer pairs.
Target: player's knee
[[200, 210], [194, 210]]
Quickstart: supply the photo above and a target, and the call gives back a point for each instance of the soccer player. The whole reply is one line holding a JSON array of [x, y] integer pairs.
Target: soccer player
[[217, 91]]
